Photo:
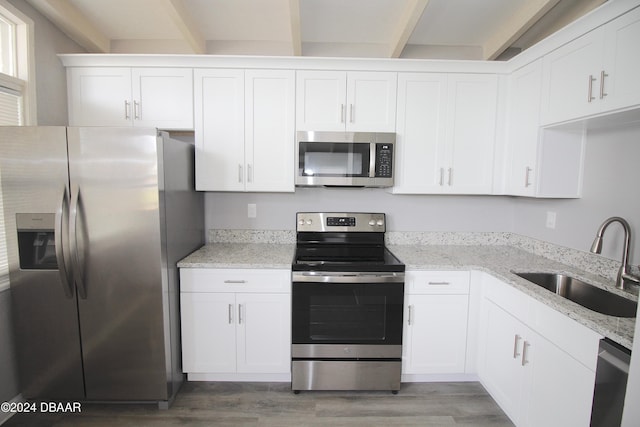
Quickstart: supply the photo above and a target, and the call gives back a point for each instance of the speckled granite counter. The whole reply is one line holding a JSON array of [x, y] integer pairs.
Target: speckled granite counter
[[240, 255], [499, 260]]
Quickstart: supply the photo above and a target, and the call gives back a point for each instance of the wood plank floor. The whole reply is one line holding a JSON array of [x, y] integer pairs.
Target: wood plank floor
[[273, 404]]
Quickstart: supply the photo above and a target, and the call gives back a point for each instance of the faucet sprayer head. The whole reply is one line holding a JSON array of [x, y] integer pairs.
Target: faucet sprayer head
[[596, 246]]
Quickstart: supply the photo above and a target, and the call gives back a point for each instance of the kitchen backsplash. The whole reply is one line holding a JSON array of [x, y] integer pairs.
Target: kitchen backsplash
[[583, 260]]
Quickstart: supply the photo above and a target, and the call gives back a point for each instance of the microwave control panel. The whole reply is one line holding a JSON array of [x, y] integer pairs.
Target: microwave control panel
[[384, 160]]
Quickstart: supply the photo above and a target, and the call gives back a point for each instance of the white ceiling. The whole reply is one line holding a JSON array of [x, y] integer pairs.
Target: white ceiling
[[451, 29]]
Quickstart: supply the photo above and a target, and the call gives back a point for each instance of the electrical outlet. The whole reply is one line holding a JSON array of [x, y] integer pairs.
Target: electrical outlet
[[551, 219], [252, 210]]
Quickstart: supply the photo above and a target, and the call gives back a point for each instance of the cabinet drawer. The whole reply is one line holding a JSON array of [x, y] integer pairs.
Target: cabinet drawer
[[438, 282], [234, 280]]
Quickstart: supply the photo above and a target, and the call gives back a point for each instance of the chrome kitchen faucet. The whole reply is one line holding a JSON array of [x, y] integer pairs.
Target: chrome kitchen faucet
[[624, 273]]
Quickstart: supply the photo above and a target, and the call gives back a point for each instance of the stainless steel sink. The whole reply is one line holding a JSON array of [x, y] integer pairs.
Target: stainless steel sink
[[582, 293]]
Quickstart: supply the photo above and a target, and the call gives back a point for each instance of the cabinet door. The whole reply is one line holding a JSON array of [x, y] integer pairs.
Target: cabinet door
[[571, 79], [435, 334], [501, 368], [560, 391], [219, 124], [471, 129], [269, 130], [208, 332], [100, 96], [320, 100], [421, 131], [525, 88], [371, 102], [163, 97], [264, 333], [621, 86]]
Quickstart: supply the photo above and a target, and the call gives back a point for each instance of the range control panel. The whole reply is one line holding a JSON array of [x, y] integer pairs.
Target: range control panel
[[348, 222]]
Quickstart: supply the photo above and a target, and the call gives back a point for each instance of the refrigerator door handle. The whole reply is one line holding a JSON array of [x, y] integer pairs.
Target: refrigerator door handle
[[73, 233], [62, 215]]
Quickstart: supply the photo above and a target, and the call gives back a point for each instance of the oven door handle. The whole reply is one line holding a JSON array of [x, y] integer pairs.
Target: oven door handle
[[346, 277]]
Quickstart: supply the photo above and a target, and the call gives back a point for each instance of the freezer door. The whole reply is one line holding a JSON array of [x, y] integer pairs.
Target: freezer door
[[115, 234], [33, 163]]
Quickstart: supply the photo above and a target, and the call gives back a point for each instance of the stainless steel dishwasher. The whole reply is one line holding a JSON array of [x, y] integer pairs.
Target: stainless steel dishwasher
[[611, 384]]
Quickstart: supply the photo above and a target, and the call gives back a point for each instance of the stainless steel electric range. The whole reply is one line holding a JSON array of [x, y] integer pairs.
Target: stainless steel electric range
[[347, 304]]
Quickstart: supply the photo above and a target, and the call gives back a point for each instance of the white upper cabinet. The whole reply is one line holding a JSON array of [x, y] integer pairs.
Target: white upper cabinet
[[446, 133], [150, 97], [352, 101], [420, 138], [244, 130], [595, 73], [523, 125]]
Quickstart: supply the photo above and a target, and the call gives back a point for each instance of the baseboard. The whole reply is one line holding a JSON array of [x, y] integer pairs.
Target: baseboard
[[276, 378], [439, 378]]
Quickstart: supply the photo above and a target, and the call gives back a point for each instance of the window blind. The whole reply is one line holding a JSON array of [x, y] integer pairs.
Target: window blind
[[10, 115]]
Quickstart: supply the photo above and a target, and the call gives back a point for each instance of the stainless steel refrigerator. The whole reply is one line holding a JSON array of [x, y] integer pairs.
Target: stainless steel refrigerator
[[95, 221]]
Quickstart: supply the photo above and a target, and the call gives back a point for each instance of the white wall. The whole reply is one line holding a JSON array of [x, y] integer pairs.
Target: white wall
[[404, 213]]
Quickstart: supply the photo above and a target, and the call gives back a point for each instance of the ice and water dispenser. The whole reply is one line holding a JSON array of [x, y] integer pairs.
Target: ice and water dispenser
[[36, 241]]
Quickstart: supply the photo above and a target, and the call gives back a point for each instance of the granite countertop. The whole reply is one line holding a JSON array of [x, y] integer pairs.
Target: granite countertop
[[497, 260], [241, 255]]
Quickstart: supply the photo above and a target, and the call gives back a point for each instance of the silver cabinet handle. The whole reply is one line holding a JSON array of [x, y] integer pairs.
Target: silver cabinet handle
[[450, 182], [350, 113], [240, 174], [438, 283], [249, 173], [127, 110], [516, 339], [341, 113], [602, 76], [235, 281], [239, 314], [230, 314], [525, 346], [527, 175], [410, 315], [136, 110], [441, 177], [590, 91]]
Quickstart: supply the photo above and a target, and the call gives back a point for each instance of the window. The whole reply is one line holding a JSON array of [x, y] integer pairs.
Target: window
[[17, 91]]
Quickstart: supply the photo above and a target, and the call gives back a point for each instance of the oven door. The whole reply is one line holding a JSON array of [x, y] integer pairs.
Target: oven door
[[361, 313]]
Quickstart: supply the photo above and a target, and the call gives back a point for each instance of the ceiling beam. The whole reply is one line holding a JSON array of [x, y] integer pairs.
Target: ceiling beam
[[74, 24], [407, 23], [180, 16], [511, 30], [296, 36]]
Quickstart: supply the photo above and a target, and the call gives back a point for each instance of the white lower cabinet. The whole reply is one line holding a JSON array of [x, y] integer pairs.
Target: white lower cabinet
[[535, 381], [235, 322], [435, 328]]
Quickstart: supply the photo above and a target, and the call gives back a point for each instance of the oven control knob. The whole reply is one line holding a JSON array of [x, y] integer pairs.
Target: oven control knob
[[301, 222], [380, 222], [309, 222], [372, 222]]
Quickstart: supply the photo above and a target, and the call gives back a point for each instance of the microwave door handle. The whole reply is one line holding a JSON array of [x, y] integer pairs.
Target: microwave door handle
[[372, 160]]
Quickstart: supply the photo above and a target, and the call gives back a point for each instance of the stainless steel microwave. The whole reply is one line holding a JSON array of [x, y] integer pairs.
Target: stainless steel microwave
[[345, 159]]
